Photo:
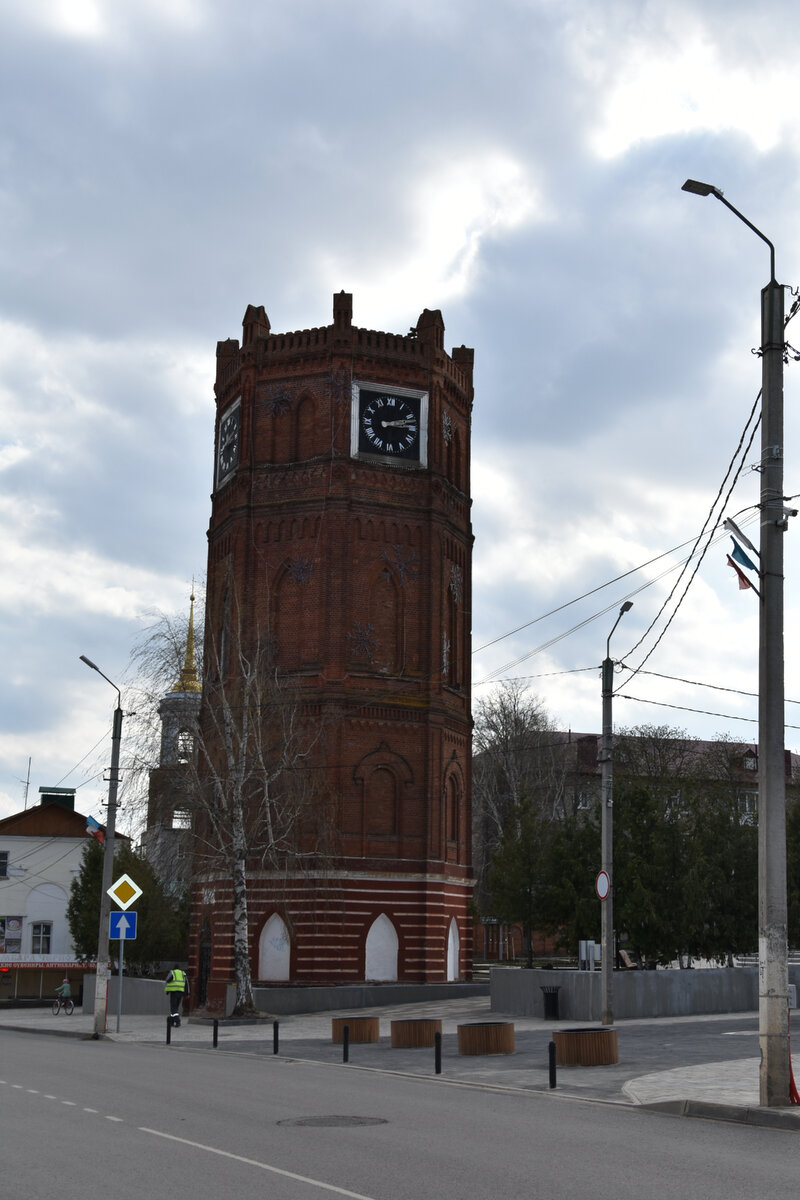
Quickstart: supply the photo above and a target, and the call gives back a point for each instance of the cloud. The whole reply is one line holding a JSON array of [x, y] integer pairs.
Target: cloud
[[166, 164], [684, 70], [450, 213]]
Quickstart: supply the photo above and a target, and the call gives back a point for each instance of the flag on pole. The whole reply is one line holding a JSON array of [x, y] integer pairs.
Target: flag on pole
[[95, 830], [741, 557], [744, 582]]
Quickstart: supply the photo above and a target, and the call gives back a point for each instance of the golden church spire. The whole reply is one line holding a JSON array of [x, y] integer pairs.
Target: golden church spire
[[188, 681]]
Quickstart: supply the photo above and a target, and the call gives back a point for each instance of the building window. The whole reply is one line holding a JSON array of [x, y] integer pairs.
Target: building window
[[3, 864], [748, 806], [185, 746], [40, 937]]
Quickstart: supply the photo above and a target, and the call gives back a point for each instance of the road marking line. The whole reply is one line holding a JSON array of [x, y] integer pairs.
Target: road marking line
[[69, 1103], [34, 1091], [90, 1110], [118, 1119], [253, 1162]]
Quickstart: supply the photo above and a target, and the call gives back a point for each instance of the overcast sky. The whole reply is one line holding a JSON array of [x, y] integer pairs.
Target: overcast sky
[[165, 163]]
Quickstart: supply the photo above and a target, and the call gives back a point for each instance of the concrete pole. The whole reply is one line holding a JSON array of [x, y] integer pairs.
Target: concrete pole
[[607, 850], [773, 957], [607, 832], [773, 970], [101, 977]]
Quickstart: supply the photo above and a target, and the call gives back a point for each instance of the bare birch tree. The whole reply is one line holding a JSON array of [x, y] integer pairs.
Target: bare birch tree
[[249, 781], [260, 807]]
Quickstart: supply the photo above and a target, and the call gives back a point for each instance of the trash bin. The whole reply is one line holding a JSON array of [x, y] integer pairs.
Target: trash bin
[[551, 1003]]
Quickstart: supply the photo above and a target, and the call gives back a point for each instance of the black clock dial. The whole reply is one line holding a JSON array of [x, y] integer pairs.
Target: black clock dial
[[228, 452], [388, 425]]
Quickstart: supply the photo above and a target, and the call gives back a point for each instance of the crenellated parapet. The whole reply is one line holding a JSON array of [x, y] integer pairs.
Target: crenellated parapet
[[422, 345]]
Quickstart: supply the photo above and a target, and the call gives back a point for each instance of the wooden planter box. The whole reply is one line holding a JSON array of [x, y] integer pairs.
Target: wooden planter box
[[419, 1031], [486, 1037], [586, 1047], [362, 1029]]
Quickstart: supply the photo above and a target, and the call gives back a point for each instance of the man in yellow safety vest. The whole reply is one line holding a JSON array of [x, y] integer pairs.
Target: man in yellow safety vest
[[176, 987]]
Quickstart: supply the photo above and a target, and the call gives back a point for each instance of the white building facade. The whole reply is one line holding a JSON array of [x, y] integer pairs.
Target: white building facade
[[40, 855]]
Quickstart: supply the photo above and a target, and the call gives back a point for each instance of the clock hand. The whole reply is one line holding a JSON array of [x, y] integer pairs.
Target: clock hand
[[406, 423]]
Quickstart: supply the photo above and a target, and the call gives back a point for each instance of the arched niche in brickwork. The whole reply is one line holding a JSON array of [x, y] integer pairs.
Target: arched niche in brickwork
[[453, 665], [381, 951], [274, 950], [455, 460], [298, 602], [454, 817], [305, 436], [382, 777], [382, 803], [385, 618], [453, 951]]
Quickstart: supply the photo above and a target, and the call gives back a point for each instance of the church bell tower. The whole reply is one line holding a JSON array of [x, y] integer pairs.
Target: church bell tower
[[340, 524]]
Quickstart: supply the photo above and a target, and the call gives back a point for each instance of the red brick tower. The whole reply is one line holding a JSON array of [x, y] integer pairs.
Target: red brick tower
[[341, 512]]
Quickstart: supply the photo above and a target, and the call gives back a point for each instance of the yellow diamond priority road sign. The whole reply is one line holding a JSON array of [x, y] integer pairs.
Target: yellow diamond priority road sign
[[124, 892]]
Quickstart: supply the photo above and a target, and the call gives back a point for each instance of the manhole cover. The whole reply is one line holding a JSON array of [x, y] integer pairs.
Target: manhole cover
[[334, 1121]]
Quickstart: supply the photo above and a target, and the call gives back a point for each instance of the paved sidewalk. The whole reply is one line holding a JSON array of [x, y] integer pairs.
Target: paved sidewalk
[[692, 1066]]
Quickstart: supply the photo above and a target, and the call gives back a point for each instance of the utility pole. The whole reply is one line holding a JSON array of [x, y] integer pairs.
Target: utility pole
[[101, 977], [607, 832], [773, 955]]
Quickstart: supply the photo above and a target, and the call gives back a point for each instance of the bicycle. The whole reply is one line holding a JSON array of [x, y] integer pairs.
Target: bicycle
[[67, 1005]]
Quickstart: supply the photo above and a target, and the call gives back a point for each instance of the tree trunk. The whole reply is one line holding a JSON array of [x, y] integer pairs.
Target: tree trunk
[[245, 1001]]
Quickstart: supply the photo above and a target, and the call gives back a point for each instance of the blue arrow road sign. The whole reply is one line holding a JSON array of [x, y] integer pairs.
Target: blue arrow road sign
[[122, 926]]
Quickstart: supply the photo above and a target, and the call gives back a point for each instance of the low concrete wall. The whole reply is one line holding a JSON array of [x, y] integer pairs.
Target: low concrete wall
[[518, 991], [140, 997], [286, 1000]]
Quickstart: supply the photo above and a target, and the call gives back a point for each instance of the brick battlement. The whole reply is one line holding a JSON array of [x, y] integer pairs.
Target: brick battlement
[[261, 347]]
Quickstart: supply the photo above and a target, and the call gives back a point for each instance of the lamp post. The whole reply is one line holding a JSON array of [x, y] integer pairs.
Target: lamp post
[[607, 832], [101, 977], [773, 971]]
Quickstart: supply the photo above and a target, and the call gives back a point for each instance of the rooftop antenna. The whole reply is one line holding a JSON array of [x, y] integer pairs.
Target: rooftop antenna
[[27, 784]]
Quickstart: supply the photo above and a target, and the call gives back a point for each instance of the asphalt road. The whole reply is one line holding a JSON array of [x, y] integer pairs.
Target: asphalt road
[[83, 1118], [649, 1046]]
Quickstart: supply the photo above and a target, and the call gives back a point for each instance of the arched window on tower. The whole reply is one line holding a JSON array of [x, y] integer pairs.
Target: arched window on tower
[[274, 950], [185, 746], [381, 952], [453, 952]]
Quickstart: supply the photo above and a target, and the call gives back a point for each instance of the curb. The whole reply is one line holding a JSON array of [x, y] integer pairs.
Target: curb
[[70, 1033], [764, 1118]]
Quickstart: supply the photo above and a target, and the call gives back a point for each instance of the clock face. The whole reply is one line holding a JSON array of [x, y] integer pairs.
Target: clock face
[[389, 424], [228, 446]]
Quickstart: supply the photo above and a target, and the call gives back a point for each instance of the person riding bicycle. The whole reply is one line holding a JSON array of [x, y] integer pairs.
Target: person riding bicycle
[[64, 990]]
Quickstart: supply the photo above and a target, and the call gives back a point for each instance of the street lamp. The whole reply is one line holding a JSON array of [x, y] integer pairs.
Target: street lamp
[[101, 977], [773, 970], [607, 833]]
